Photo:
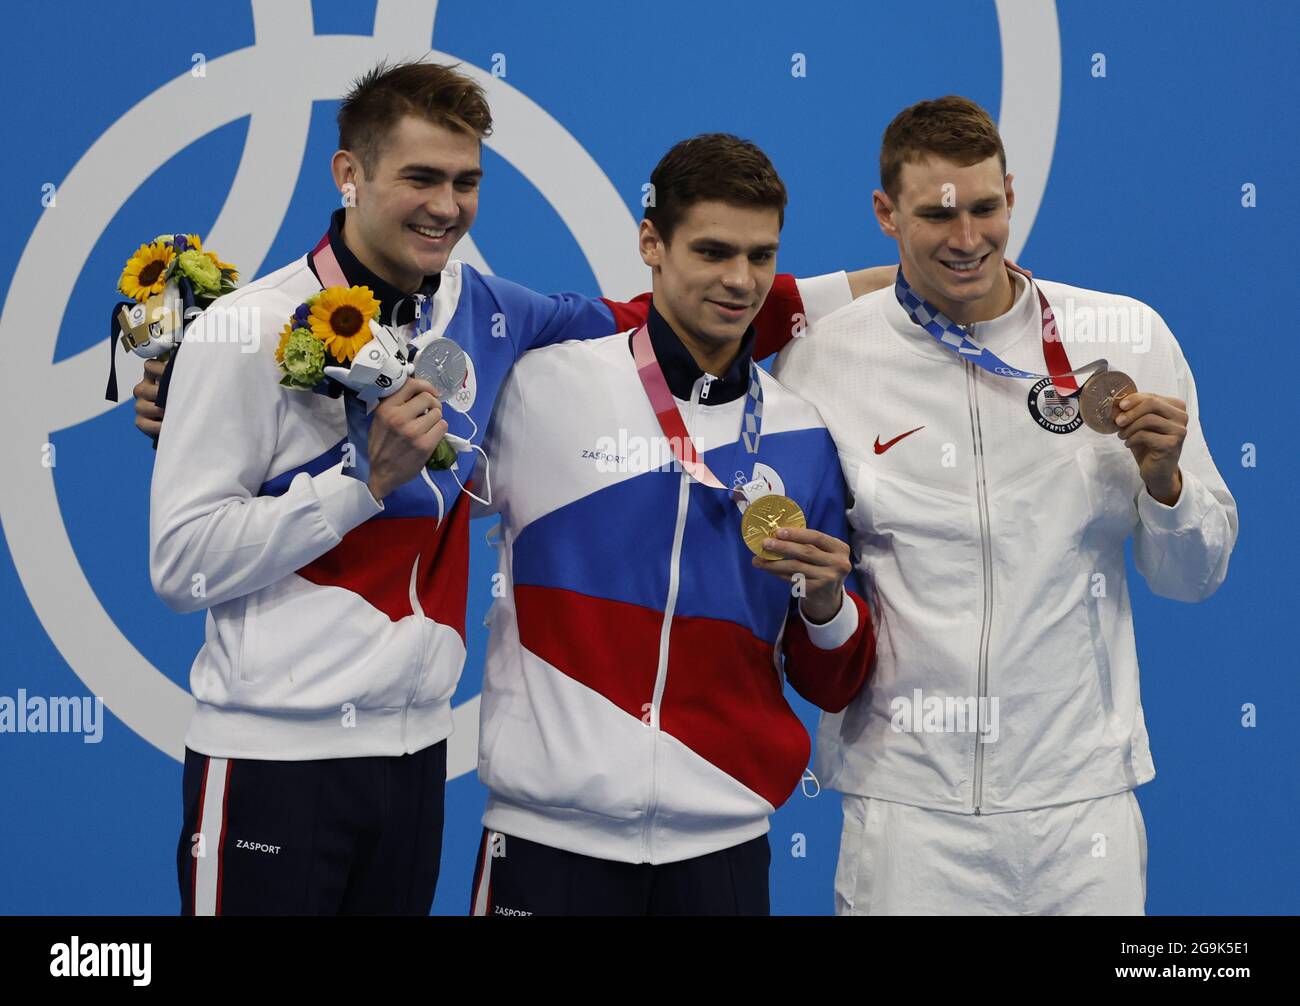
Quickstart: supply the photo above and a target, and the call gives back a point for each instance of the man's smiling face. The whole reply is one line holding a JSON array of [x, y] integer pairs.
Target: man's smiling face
[[420, 199], [952, 224], [713, 274]]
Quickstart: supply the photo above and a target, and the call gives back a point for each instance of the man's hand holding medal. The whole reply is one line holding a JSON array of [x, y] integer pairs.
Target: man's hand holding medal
[[1152, 426], [822, 561], [406, 430]]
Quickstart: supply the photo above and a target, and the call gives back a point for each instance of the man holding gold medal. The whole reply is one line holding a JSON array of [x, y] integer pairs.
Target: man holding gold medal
[[672, 550], [1003, 438]]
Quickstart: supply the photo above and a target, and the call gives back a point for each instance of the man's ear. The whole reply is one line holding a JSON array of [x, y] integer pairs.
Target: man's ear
[[346, 170], [883, 207], [1010, 192], [650, 244]]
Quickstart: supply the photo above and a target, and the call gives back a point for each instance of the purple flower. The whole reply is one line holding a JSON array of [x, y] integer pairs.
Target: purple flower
[[180, 242], [301, 316]]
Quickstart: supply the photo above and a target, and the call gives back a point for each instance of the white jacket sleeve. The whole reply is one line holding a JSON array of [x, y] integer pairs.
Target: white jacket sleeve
[[823, 295], [211, 537], [1182, 551]]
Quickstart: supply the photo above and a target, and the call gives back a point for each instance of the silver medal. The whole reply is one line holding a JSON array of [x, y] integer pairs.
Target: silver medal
[[443, 364]]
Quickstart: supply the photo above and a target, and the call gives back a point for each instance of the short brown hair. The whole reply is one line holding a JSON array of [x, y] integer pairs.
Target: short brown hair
[[711, 166], [383, 95], [953, 127]]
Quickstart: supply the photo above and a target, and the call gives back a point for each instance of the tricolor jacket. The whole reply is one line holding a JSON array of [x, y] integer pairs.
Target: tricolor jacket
[[633, 704], [336, 622]]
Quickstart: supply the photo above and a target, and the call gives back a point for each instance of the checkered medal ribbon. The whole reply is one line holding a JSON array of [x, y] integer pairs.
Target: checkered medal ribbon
[[948, 333]]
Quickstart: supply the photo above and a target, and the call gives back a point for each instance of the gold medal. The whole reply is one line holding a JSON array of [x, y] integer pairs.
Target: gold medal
[[764, 517], [1099, 400]]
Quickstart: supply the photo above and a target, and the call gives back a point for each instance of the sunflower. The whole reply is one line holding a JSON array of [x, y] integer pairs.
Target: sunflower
[[284, 341], [341, 319], [231, 273], [145, 271]]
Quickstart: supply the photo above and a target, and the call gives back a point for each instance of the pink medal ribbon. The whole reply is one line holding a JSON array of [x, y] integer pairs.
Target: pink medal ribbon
[[670, 419], [327, 264]]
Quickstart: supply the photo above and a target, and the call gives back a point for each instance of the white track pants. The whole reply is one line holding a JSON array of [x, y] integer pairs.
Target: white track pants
[[1086, 858]]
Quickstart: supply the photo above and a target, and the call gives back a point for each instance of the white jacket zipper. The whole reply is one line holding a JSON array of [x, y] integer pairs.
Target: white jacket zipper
[[986, 560], [665, 633]]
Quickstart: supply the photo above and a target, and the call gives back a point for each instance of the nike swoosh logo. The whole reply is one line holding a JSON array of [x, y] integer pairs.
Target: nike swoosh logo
[[881, 448]]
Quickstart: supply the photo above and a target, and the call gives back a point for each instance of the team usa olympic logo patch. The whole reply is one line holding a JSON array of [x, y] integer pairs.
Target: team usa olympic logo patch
[[1052, 412]]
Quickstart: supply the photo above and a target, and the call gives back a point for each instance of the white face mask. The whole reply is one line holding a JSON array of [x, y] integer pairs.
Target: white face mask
[[463, 446]]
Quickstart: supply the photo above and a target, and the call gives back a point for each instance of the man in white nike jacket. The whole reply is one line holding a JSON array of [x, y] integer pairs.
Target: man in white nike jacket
[[989, 765]]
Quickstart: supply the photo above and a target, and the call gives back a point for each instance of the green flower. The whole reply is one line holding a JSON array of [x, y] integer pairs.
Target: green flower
[[304, 359], [202, 272], [444, 456]]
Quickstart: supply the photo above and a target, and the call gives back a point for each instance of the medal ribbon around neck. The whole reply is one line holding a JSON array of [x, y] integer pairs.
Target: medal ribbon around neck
[[670, 419], [423, 314], [952, 336], [327, 265]]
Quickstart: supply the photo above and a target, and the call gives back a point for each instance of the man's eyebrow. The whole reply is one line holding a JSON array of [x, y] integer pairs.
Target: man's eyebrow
[[435, 172], [941, 208], [700, 244]]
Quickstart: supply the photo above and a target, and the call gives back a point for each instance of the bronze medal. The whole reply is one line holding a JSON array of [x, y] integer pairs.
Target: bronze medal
[[1099, 400], [764, 517]]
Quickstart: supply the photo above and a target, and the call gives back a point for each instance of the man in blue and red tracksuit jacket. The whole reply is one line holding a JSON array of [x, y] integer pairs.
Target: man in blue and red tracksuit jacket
[[635, 737]]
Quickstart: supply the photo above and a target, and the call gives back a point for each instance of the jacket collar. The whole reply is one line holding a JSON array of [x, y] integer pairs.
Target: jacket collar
[[996, 334], [682, 372], [396, 308]]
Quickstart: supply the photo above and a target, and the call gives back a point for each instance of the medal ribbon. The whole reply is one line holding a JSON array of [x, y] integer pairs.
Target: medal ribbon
[[423, 314], [670, 419], [327, 265], [952, 336]]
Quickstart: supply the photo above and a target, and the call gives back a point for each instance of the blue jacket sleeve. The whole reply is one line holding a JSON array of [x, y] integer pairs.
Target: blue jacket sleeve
[[532, 319]]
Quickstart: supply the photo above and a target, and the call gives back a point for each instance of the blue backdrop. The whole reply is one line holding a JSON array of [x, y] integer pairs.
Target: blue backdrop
[[1140, 171]]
